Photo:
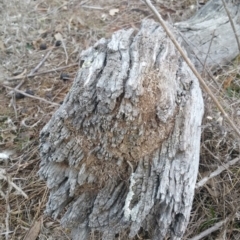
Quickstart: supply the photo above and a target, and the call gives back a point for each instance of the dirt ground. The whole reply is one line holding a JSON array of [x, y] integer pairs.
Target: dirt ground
[[40, 44]]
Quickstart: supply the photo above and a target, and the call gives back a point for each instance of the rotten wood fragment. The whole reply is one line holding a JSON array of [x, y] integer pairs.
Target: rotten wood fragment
[[122, 151]]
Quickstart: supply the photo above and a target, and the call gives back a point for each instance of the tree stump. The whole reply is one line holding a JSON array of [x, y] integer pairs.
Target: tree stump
[[122, 151]]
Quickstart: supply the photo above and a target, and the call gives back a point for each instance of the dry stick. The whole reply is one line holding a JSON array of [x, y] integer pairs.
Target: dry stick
[[208, 72], [41, 202], [44, 72], [64, 48], [204, 64], [84, 2], [92, 7], [4, 176], [31, 96], [216, 172], [41, 63], [210, 230], [8, 210], [232, 24], [13, 102], [187, 60]]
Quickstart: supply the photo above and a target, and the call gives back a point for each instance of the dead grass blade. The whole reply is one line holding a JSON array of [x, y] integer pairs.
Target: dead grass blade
[[34, 230]]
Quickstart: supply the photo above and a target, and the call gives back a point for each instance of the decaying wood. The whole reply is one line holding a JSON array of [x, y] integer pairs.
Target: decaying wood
[[122, 151], [192, 67], [209, 36]]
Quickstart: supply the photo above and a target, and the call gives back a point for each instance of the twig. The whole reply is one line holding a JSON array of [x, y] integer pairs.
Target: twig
[[41, 203], [4, 233], [210, 230], [23, 123], [92, 7], [216, 172], [41, 63], [215, 157], [8, 210], [4, 176], [31, 96], [44, 72], [200, 61], [20, 84], [205, 60], [131, 166], [191, 66], [64, 47], [13, 100], [84, 2], [232, 24]]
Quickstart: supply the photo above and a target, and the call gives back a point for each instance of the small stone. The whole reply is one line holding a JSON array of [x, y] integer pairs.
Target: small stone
[[43, 46], [58, 43], [19, 95], [64, 76], [44, 34]]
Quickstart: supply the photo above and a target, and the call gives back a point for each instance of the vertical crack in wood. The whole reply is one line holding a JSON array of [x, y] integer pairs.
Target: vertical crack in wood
[[122, 151]]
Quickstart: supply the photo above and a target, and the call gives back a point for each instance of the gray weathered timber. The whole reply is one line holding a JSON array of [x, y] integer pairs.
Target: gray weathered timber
[[209, 36], [122, 151]]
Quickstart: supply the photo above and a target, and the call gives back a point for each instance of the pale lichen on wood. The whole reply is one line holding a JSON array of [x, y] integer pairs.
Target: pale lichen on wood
[[122, 151]]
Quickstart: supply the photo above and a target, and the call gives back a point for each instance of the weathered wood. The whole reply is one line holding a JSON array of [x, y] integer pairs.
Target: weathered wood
[[122, 151], [209, 36]]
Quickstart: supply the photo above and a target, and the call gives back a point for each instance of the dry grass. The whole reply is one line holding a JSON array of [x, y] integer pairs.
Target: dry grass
[[28, 26], [219, 198]]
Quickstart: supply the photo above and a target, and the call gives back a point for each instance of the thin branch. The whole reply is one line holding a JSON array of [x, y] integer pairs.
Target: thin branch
[[41, 63], [31, 96], [191, 66], [84, 2], [92, 7], [210, 230], [232, 24], [200, 61], [13, 100], [204, 64], [4, 176], [8, 211], [23, 123], [219, 170], [58, 36], [44, 72]]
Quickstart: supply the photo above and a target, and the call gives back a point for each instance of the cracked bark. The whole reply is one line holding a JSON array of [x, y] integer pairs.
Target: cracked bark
[[122, 151]]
